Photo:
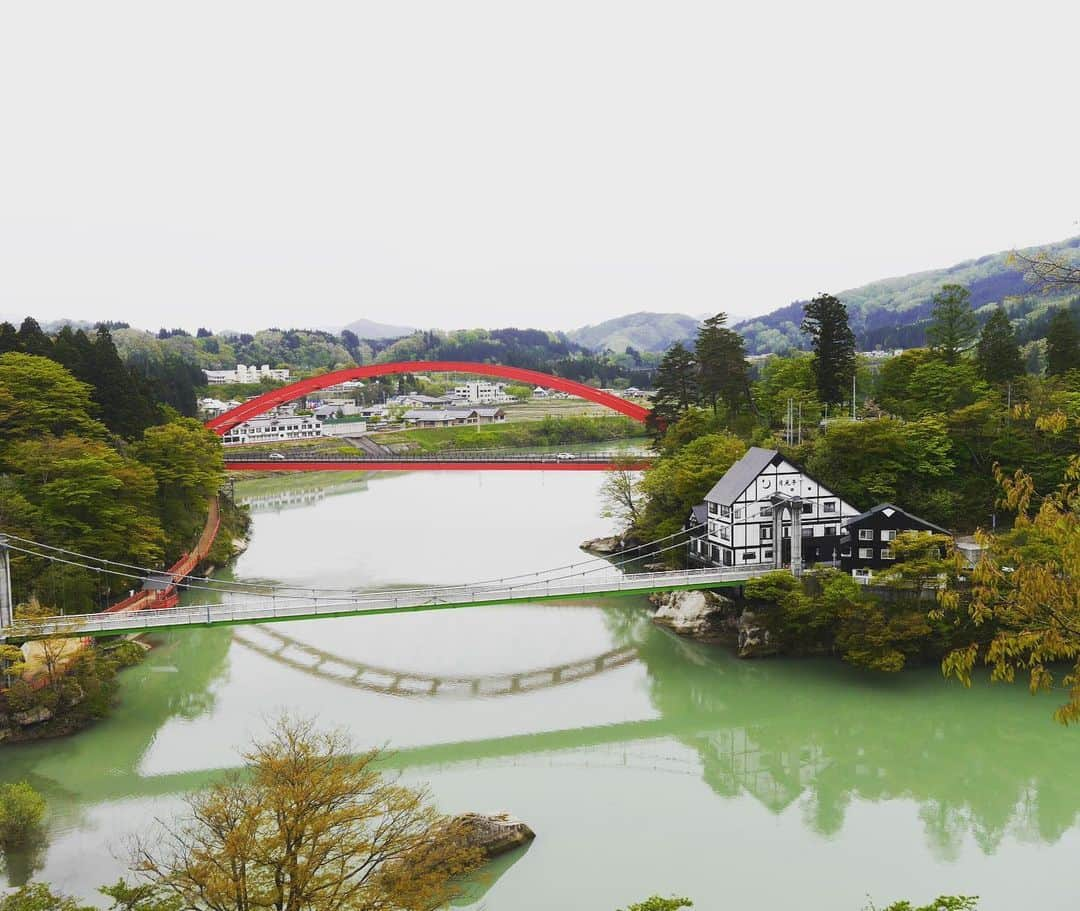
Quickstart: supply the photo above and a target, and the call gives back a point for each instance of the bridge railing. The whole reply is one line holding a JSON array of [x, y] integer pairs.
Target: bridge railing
[[415, 599], [463, 455]]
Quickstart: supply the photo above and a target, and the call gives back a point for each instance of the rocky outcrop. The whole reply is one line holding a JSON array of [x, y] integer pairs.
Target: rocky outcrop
[[34, 716], [604, 546], [493, 834], [699, 614], [754, 640]]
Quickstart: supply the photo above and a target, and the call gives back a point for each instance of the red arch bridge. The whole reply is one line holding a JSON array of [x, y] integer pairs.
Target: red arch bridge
[[457, 461]]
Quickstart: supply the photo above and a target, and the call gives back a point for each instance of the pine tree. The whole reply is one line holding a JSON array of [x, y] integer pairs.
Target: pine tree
[[953, 324], [825, 320], [32, 340], [998, 352], [721, 361], [127, 408], [9, 338], [1062, 344], [676, 386]]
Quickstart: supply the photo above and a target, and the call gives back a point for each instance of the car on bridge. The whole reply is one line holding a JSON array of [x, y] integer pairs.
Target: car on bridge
[[565, 457]]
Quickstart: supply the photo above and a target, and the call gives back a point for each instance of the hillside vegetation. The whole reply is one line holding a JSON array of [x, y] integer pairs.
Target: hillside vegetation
[[644, 331], [893, 312]]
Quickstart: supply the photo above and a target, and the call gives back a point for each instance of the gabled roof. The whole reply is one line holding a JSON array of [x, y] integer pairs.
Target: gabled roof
[[431, 414], [699, 514], [741, 475], [881, 507]]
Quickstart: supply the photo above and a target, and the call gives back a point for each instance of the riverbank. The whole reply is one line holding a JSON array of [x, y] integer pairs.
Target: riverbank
[[67, 684]]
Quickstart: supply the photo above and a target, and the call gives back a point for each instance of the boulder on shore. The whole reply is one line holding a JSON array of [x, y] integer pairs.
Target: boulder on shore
[[494, 833], [34, 716], [604, 546], [691, 613]]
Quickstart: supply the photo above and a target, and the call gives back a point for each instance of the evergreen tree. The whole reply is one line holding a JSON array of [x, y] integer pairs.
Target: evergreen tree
[[9, 338], [1062, 344], [953, 324], [998, 353], [721, 361], [76, 352], [32, 340], [825, 320], [127, 408], [675, 384]]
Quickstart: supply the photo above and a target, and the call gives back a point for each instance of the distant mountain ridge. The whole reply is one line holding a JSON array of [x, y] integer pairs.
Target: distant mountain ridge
[[893, 312], [642, 331], [366, 328]]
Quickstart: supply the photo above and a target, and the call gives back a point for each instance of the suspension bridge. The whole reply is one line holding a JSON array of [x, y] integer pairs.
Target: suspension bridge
[[240, 603]]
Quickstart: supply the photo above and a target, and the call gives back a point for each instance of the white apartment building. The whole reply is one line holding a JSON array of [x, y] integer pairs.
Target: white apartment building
[[274, 428], [755, 510], [244, 374], [481, 392]]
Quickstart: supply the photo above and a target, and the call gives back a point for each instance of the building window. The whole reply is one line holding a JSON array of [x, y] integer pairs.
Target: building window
[[738, 513], [888, 534], [727, 557], [749, 556], [787, 531], [725, 512], [866, 534], [828, 506], [830, 530], [766, 555], [887, 554], [866, 553], [725, 532], [766, 532], [766, 511], [807, 508], [808, 531], [712, 509]]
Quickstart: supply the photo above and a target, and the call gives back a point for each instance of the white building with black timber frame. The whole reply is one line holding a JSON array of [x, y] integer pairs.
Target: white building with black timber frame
[[765, 510]]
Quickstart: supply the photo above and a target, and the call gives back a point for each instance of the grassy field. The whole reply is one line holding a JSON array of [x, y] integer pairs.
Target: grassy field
[[537, 432]]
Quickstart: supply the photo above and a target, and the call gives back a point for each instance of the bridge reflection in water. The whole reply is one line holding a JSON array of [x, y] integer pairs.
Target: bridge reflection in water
[[984, 763]]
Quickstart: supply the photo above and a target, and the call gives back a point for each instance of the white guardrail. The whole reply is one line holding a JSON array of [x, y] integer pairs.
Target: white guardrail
[[295, 606]]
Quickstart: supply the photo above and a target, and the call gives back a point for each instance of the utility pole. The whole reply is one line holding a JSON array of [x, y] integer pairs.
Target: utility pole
[[7, 614], [853, 396]]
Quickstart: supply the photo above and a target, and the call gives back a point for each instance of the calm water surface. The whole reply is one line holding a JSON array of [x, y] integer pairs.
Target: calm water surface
[[644, 762]]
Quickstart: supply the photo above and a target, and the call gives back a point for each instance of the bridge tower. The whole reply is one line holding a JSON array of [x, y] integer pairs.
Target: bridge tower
[[7, 614]]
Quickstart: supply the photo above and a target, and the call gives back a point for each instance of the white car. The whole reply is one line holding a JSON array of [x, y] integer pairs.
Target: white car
[[565, 457], [277, 456]]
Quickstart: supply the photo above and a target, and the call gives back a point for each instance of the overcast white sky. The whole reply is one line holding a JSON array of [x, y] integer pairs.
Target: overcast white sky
[[551, 164]]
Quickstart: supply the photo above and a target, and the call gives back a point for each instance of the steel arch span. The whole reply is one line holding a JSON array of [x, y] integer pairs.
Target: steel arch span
[[263, 403]]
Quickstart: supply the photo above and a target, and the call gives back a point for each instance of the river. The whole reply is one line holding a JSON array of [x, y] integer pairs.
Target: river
[[645, 763]]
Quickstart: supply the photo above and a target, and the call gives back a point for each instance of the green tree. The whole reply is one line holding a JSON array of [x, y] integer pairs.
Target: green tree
[[783, 378], [825, 320], [38, 396], [952, 323], [126, 405], [675, 386], [21, 811], [1062, 344], [721, 361], [9, 338], [39, 897], [188, 464], [941, 903], [32, 340], [658, 903], [998, 352]]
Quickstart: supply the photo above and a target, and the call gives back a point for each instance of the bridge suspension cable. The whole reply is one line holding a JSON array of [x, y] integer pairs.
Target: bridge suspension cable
[[230, 587]]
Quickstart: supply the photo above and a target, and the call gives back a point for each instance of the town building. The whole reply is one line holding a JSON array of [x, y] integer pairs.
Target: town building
[[274, 428], [866, 540], [417, 400], [244, 374], [481, 392], [453, 417], [211, 407], [766, 510]]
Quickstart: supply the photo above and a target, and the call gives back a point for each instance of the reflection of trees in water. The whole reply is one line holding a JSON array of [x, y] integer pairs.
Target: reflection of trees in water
[[988, 763]]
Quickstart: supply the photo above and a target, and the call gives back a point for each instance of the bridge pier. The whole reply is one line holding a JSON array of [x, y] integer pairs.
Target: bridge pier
[[7, 611]]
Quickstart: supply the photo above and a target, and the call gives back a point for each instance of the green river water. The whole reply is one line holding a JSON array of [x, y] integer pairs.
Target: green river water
[[645, 763]]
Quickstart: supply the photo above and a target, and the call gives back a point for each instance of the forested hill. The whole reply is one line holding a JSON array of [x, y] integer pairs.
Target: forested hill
[[892, 313], [644, 331]]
